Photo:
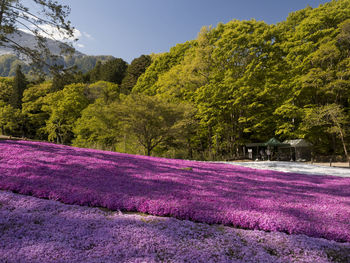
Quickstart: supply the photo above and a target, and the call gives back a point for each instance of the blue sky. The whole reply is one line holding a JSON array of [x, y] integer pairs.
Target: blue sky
[[130, 28]]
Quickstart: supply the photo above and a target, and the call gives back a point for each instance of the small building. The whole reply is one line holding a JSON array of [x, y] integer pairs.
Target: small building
[[255, 150], [301, 149], [273, 149], [265, 151]]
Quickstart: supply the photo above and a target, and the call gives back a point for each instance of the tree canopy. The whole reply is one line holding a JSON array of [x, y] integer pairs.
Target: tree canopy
[[251, 81], [113, 70], [137, 67]]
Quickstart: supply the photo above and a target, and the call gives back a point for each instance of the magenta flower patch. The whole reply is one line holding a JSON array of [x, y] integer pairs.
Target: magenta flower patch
[[317, 206], [37, 230]]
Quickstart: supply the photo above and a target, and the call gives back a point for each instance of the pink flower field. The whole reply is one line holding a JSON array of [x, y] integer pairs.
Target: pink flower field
[[317, 206], [34, 230]]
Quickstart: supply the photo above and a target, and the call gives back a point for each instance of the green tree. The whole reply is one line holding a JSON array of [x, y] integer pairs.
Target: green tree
[[314, 44], [33, 102], [161, 63], [11, 120], [95, 73], [6, 89], [330, 119], [98, 127], [19, 85], [113, 70], [108, 91], [186, 141], [137, 67], [62, 78], [64, 108], [193, 72], [150, 119], [236, 103]]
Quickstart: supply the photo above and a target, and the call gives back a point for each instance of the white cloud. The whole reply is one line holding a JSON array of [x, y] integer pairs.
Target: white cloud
[[57, 35], [87, 35], [80, 45], [52, 32]]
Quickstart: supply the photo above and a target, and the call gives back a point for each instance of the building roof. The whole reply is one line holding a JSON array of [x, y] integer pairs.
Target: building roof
[[298, 143], [255, 144], [272, 142]]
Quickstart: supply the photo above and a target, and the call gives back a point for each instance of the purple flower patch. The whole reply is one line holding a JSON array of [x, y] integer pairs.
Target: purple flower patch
[[37, 230], [317, 206]]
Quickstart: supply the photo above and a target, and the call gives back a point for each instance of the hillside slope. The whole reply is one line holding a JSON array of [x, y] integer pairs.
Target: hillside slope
[[9, 59]]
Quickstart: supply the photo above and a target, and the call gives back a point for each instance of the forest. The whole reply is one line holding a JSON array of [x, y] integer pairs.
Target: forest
[[236, 83]]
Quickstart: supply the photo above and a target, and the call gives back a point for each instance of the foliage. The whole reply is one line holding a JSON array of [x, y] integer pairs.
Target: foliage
[[137, 67], [250, 81], [329, 119], [150, 119], [19, 85], [6, 88], [65, 77], [11, 120], [160, 64], [112, 70], [85, 63], [33, 102], [98, 127], [108, 91], [64, 108]]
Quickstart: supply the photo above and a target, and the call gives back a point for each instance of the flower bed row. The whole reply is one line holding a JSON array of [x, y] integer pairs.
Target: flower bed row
[[317, 206], [37, 230]]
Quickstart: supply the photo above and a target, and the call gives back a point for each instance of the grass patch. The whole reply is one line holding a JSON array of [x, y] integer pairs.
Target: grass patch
[[135, 213], [186, 168], [338, 256]]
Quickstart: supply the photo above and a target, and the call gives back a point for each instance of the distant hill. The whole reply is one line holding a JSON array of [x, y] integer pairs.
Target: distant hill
[[28, 40], [85, 62], [9, 59], [8, 64]]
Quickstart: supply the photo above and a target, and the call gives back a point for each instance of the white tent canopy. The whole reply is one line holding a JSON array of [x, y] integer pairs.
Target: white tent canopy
[[298, 143]]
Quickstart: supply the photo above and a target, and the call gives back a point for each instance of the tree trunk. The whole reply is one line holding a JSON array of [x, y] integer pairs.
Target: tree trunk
[[344, 145], [2, 10], [190, 150]]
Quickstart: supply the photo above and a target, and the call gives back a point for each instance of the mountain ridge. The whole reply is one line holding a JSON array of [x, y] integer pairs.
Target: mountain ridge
[[10, 59]]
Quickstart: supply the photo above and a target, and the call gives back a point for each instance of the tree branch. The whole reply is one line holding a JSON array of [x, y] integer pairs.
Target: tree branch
[[2, 10], [38, 27], [32, 14], [33, 54]]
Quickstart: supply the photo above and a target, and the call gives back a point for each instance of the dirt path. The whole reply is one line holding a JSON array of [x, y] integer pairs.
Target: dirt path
[[335, 164]]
